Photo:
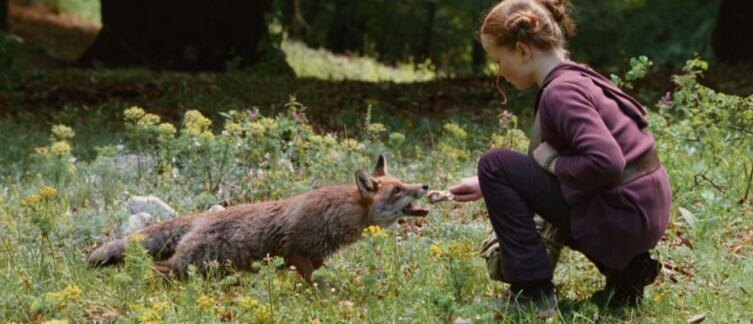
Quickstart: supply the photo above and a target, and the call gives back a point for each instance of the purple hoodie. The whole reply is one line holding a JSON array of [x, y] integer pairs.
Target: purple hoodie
[[583, 112]]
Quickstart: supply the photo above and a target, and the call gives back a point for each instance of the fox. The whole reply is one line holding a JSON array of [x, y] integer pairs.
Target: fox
[[303, 229]]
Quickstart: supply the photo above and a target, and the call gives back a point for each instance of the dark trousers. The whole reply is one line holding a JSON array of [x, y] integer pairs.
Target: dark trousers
[[515, 187]]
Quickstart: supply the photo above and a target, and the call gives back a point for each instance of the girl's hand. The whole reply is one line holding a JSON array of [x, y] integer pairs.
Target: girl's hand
[[543, 152], [467, 189]]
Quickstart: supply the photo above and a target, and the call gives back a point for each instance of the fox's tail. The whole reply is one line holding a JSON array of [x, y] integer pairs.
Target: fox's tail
[[108, 254], [159, 241]]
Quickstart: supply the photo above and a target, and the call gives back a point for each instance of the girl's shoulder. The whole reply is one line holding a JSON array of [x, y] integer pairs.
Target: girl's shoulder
[[569, 88]]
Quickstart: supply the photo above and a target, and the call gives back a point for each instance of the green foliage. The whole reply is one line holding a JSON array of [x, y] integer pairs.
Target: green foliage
[[89, 9], [424, 270], [12, 61], [667, 31], [639, 67], [705, 140], [610, 31], [322, 64]]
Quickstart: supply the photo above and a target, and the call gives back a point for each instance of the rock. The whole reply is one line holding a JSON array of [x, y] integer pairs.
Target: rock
[[460, 320], [216, 208], [151, 205], [136, 222]]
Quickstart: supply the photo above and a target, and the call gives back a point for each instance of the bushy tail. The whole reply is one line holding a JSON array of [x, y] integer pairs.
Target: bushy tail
[[108, 254], [160, 241]]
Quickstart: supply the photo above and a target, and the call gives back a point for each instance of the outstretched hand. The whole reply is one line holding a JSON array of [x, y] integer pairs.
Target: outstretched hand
[[467, 189]]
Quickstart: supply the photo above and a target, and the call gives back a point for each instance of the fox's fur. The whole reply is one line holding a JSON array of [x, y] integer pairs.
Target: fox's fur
[[302, 229]]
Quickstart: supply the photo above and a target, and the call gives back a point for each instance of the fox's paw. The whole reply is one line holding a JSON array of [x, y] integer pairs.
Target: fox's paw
[[165, 270]]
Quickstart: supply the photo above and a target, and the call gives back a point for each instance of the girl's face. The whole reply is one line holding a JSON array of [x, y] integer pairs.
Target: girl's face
[[514, 64]]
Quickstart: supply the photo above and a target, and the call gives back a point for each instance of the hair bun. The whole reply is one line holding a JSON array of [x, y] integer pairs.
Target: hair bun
[[523, 23], [560, 11]]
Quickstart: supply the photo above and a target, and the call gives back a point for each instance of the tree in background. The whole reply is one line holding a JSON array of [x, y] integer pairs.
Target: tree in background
[[3, 14], [668, 31], [392, 31], [733, 33], [185, 35]]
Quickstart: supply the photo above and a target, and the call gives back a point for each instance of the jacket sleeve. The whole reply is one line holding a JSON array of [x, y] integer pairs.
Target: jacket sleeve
[[598, 159]]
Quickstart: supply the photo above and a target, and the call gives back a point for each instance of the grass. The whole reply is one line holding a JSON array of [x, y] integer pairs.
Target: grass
[[422, 271]]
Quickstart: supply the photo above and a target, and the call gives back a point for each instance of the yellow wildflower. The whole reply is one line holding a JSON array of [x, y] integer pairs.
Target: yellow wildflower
[[136, 238], [247, 302], [329, 140], [436, 251], [63, 132], [206, 135], [60, 148], [148, 120], [316, 139], [376, 128], [315, 321], [31, 201], [154, 313], [234, 129], [67, 294], [160, 306], [205, 301], [196, 118], [192, 130], [351, 144], [43, 151], [455, 130], [460, 249], [48, 192], [263, 315], [268, 123], [376, 231], [133, 114], [166, 129], [256, 128], [150, 316], [56, 321]]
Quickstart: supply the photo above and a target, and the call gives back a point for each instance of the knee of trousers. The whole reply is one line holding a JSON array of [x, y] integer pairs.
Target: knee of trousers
[[491, 164]]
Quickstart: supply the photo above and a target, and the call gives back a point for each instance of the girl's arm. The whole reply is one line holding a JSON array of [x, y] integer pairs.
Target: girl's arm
[[598, 159]]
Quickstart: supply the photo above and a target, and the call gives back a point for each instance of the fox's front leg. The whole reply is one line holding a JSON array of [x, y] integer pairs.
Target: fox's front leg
[[316, 263], [165, 269], [303, 265]]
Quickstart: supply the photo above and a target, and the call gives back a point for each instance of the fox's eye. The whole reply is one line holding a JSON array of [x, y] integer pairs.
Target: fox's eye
[[396, 190]]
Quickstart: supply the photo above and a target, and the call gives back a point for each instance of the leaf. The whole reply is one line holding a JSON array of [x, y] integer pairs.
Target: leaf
[[688, 217]]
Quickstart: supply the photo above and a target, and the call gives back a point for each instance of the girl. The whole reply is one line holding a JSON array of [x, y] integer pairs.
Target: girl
[[595, 175]]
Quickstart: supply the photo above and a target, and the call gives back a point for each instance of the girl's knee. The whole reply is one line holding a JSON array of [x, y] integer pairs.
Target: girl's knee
[[494, 159]]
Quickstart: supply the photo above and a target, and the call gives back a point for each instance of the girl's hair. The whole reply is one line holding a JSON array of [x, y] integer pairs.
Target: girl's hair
[[541, 23]]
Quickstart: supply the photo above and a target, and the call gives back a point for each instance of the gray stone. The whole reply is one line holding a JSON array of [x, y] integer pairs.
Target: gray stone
[[216, 208], [151, 205], [136, 222]]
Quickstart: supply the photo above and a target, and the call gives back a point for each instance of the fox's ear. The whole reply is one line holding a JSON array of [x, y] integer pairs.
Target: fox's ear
[[365, 184], [381, 166]]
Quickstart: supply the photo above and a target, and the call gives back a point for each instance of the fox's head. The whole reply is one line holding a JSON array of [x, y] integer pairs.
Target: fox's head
[[389, 197]]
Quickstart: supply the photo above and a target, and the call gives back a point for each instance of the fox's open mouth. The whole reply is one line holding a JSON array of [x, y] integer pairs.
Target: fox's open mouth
[[411, 210]]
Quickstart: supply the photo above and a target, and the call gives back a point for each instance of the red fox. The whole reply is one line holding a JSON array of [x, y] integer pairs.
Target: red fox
[[303, 229]]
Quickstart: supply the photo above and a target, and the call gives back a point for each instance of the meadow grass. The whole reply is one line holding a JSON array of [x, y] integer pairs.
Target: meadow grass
[[62, 192]]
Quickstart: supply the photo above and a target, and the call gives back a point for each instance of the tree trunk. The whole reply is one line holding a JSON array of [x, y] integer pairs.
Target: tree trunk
[[347, 30], [185, 35], [478, 55], [425, 49], [3, 14], [732, 39]]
